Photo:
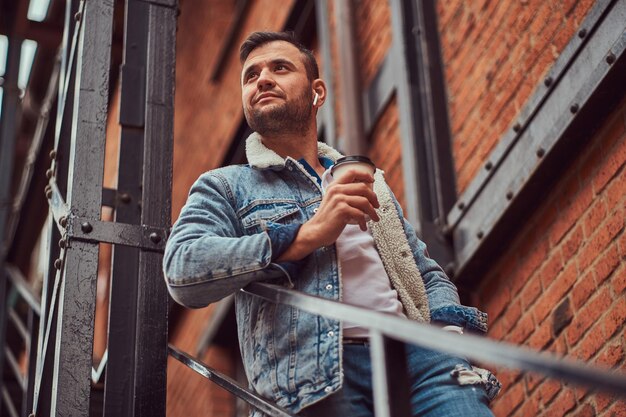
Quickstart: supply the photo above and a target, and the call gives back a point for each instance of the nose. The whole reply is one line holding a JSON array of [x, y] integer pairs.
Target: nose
[[265, 80]]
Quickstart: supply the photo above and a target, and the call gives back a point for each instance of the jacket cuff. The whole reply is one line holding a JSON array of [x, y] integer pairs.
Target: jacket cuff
[[281, 236], [470, 318]]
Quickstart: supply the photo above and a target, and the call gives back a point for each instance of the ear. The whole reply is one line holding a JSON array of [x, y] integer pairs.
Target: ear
[[319, 88]]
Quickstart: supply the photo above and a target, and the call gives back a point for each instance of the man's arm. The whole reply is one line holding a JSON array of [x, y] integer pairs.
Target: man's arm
[[206, 256]]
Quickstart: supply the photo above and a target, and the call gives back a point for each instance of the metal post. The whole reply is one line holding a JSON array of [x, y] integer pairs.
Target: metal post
[[391, 394], [120, 374], [76, 304], [8, 123], [430, 188], [152, 298]]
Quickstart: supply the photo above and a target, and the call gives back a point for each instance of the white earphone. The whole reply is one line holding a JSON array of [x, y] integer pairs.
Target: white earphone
[[317, 96]]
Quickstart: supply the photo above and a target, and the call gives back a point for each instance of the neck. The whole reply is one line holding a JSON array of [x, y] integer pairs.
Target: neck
[[296, 145]]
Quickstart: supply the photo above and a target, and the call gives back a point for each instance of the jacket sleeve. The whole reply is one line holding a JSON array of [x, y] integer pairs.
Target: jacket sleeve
[[443, 297], [207, 256]]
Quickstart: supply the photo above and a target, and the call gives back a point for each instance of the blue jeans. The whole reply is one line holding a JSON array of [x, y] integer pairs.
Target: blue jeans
[[434, 392]]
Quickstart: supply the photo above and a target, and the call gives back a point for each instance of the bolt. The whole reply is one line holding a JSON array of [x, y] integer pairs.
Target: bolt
[[461, 205], [125, 198], [48, 191], [509, 195], [548, 81], [63, 221], [517, 127], [86, 227], [62, 243], [541, 152], [480, 235], [582, 33], [574, 108], [58, 264], [53, 154], [49, 173], [488, 166], [78, 16], [155, 237], [610, 58]]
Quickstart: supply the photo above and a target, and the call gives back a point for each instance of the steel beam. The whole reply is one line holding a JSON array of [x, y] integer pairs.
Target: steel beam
[[427, 158], [76, 304], [580, 91], [152, 297]]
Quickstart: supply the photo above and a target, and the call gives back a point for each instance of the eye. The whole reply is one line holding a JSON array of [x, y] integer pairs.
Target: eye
[[280, 67], [251, 75]]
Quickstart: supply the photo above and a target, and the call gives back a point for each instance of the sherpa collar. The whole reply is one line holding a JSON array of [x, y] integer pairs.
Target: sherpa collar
[[260, 156]]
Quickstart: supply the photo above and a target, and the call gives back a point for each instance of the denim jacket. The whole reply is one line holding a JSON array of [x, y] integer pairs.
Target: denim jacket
[[220, 243]]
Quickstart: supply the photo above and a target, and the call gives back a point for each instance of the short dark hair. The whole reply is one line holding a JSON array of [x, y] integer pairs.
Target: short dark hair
[[256, 39]]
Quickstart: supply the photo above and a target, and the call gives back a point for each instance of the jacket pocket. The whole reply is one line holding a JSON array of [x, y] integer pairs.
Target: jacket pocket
[[255, 216]]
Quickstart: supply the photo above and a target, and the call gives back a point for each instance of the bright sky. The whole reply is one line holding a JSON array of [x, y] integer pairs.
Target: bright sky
[[38, 9]]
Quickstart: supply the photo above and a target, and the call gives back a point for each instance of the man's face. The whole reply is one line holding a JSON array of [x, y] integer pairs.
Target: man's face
[[276, 93]]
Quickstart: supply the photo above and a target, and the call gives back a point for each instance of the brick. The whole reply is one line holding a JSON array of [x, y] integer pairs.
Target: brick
[[586, 410], [572, 242], [555, 292], [548, 390], [615, 192], [522, 330], [551, 268], [562, 404], [586, 316], [617, 410], [612, 354], [541, 337], [594, 217], [561, 317], [590, 344], [616, 157], [615, 318], [584, 287], [600, 240], [618, 282], [606, 264], [530, 407], [531, 291], [572, 205], [510, 399]]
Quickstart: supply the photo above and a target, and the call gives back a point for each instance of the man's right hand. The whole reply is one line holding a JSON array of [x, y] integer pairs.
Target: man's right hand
[[346, 200]]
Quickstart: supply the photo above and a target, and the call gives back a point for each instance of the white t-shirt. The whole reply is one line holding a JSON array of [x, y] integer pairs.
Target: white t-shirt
[[364, 279]]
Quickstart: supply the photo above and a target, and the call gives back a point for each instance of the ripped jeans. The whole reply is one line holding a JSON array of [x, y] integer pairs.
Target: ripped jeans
[[435, 388]]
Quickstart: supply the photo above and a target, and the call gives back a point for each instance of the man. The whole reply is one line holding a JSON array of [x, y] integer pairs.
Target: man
[[275, 219]]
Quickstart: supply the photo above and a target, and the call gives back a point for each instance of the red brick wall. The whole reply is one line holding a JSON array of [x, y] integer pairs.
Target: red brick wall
[[495, 54], [560, 286]]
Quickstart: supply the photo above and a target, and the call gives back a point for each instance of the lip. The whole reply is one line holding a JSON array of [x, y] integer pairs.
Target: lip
[[264, 96]]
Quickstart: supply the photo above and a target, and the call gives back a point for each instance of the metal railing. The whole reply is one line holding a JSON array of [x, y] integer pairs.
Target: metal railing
[[388, 334]]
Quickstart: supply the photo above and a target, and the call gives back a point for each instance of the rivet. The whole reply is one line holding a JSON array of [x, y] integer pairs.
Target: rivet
[[78, 16], [53, 154], [509, 195], [517, 127], [63, 221], [541, 152], [461, 205], [62, 243], [86, 227], [125, 198], [488, 166], [58, 264], [155, 237], [480, 235], [574, 108], [610, 58], [49, 173], [548, 81], [48, 192], [582, 33]]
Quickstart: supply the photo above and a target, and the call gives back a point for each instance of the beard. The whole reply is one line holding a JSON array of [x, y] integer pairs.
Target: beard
[[285, 117]]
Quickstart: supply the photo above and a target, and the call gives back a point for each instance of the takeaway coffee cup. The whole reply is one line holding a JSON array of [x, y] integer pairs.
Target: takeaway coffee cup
[[354, 162]]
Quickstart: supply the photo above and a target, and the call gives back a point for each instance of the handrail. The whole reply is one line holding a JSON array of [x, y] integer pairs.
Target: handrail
[[228, 384], [472, 347], [469, 346]]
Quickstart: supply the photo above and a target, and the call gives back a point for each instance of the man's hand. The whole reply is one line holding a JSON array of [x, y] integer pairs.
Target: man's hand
[[346, 200]]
